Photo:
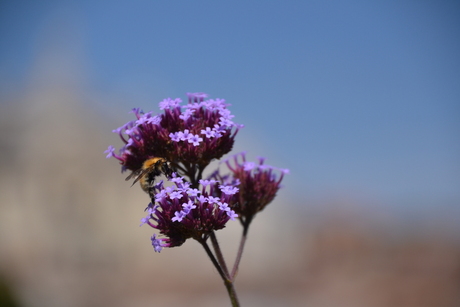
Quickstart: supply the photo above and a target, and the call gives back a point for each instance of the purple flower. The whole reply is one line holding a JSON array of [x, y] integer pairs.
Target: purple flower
[[261, 160], [225, 122], [131, 131], [144, 118], [218, 130], [192, 218], [264, 167], [213, 200], [154, 120], [193, 192], [205, 183], [175, 195], [247, 166], [176, 179], [225, 113], [183, 187], [208, 132], [196, 97], [195, 139], [169, 103], [186, 115], [228, 190], [223, 206], [184, 135], [178, 216], [216, 104], [137, 111], [174, 134], [145, 220], [179, 143], [188, 206], [202, 199], [257, 186], [110, 151], [232, 215], [157, 243], [176, 137], [160, 195]]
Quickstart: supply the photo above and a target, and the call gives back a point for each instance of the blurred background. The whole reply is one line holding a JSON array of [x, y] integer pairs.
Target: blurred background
[[359, 99]]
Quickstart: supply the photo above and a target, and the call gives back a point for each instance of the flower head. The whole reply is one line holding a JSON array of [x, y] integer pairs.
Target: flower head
[[192, 134], [158, 243], [180, 215], [252, 186], [179, 143]]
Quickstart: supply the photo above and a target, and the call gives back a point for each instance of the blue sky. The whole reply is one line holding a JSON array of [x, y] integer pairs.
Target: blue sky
[[359, 97]]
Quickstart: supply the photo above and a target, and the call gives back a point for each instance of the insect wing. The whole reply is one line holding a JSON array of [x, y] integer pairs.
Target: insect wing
[[142, 174], [135, 173]]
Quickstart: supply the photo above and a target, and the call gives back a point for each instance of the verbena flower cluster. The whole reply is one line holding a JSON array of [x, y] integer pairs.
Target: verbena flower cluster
[[188, 138], [191, 135], [258, 183], [181, 212]]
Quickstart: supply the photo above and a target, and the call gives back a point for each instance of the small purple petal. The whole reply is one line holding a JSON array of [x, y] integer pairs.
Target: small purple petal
[[249, 166], [144, 220], [186, 115], [110, 151], [175, 137], [195, 139], [204, 182], [228, 190], [193, 192], [232, 215], [209, 133], [154, 120], [178, 216], [156, 243], [213, 200], [169, 103], [189, 206], [202, 199], [176, 179], [175, 195], [223, 206], [184, 135]]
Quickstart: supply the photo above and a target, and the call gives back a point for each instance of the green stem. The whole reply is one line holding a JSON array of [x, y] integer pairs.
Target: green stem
[[218, 252], [227, 282], [246, 224], [213, 259], [232, 293]]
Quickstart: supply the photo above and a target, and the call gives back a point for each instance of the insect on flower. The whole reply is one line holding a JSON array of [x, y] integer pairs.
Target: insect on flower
[[151, 168], [180, 143]]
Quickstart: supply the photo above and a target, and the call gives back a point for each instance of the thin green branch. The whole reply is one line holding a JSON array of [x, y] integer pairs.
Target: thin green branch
[[245, 224], [219, 255]]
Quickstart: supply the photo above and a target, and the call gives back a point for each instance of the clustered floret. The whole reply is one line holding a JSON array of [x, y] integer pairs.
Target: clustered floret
[[189, 137], [257, 183], [195, 133], [182, 212]]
